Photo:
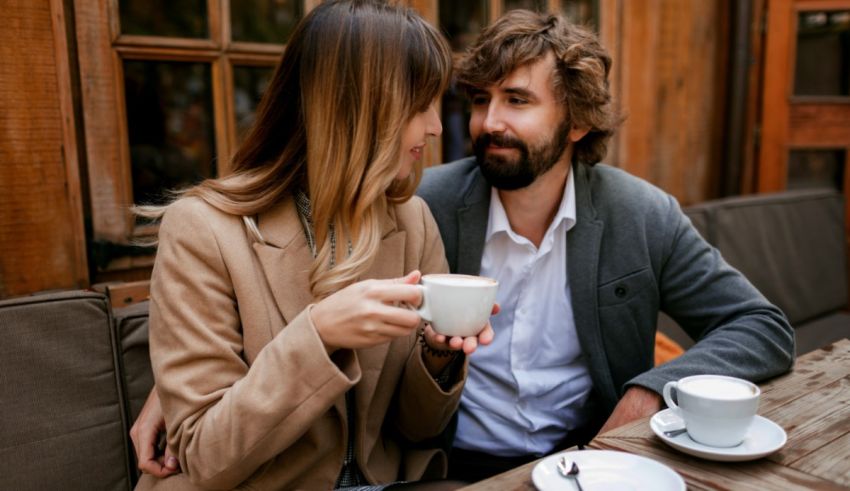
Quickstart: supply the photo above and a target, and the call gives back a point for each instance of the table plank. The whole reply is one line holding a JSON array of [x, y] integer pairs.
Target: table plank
[[812, 370], [828, 460], [703, 474], [813, 421]]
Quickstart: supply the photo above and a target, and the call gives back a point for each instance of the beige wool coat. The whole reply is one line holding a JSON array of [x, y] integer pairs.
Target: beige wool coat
[[251, 398]]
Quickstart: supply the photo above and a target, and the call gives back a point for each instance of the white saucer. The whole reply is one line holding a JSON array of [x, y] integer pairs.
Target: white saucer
[[763, 438], [607, 470]]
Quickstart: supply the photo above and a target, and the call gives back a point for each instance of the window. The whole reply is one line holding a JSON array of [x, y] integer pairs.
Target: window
[[168, 89]]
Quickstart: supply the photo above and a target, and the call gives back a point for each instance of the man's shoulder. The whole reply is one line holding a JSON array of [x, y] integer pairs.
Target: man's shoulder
[[615, 189], [447, 183]]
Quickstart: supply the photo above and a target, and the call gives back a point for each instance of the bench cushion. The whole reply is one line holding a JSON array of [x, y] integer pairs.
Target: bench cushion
[[791, 246], [63, 422]]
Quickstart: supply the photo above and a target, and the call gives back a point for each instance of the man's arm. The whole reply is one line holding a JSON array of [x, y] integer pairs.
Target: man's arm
[[636, 403]]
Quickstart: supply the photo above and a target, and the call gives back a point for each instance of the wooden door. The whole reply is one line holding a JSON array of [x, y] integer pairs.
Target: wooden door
[[806, 107]]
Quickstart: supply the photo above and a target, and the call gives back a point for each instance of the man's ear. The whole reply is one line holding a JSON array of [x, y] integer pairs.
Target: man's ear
[[577, 134]]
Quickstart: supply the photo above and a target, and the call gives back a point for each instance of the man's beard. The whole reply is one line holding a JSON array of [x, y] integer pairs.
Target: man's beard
[[515, 173]]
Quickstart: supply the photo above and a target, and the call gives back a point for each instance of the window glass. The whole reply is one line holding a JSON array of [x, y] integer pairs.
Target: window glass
[[823, 53], [172, 18], [462, 21], [249, 83], [264, 21], [816, 169], [170, 126], [537, 5]]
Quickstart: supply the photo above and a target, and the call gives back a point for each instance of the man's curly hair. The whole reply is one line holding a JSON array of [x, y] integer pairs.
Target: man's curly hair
[[582, 65]]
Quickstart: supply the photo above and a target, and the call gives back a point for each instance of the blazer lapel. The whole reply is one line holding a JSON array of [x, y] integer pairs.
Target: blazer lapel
[[286, 259], [583, 246], [472, 226], [390, 263]]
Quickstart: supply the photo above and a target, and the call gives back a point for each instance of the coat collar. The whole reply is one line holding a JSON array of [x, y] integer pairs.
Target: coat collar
[[286, 259], [472, 224]]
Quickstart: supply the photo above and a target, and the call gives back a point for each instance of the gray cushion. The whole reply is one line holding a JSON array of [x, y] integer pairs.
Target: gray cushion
[[822, 332], [62, 423], [790, 246], [131, 324], [700, 216]]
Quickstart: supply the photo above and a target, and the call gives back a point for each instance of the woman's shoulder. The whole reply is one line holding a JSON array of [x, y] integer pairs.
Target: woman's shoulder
[[412, 214], [194, 214]]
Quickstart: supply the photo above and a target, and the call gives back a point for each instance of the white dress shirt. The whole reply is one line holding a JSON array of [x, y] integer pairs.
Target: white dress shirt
[[527, 390]]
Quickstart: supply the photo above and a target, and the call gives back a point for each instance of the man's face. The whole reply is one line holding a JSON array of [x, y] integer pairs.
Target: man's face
[[519, 127]]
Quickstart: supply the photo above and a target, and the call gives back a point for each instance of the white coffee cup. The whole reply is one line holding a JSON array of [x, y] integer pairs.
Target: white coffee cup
[[717, 410], [457, 304]]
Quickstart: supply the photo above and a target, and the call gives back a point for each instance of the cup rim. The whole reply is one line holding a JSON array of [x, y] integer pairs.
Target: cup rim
[[683, 381], [437, 276]]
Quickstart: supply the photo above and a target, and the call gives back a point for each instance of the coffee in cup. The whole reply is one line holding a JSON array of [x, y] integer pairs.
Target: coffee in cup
[[717, 410], [457, 304]]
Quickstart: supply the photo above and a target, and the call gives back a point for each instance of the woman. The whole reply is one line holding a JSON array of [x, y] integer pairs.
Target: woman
[[276, 365]]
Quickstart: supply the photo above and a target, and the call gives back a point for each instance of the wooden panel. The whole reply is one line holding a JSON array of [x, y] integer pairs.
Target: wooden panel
[[670, 86], [819, 125], [106, 144], [42, 240]]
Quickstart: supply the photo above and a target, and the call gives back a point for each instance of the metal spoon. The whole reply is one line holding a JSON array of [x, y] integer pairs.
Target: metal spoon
[[675, 433], [569, 473]]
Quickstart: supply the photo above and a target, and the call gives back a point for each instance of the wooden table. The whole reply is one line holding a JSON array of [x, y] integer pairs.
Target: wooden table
[[812, 404]]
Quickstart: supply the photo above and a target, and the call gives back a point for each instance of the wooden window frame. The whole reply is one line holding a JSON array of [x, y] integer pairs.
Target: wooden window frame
[[103, 50]]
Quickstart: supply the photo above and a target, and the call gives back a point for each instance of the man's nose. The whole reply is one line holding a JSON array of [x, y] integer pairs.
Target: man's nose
[[493, 121]]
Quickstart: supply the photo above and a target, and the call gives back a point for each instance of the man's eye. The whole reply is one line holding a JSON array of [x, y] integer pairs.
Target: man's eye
[[517, 100], [477, 101]]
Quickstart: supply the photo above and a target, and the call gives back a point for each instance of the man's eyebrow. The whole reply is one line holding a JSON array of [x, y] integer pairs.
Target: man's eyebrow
[[519, 91]]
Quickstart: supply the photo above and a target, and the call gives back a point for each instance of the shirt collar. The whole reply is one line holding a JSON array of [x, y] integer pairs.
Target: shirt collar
[[498, 219]]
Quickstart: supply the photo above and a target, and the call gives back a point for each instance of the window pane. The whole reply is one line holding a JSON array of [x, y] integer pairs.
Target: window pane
[[816, 169], [537, 5], [580, 11], [462, 21], [264, 21], [173, 18], [170, 126], [249, 83], [456, 110], [823, 54]]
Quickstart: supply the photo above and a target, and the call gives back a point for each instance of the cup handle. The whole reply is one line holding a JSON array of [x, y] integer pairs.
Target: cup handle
[[668, 396], [423, 309]]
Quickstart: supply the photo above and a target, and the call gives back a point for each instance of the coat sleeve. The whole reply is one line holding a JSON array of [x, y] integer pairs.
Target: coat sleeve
[[738, 331], [225, 418], [423, 409]]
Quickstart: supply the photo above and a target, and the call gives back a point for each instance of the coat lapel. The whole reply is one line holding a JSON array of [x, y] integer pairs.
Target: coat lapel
[[472, 226], [389, 264], [583, 246], [286, 259]]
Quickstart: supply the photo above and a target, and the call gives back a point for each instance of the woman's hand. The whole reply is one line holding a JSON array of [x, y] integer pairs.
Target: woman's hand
[[440, 342], [144, 434], [367, 314]]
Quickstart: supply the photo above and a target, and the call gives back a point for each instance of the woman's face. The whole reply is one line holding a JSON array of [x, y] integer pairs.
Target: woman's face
[[421, 125]]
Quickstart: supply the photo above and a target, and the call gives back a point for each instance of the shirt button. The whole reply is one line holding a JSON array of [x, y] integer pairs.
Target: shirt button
[[620, 291]]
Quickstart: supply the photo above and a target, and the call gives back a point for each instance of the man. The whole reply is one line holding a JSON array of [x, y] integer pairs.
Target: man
[[586, 256]]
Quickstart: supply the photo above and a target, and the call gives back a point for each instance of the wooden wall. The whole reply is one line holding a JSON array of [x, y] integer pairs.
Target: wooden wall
[[42, 239], [669, 78]]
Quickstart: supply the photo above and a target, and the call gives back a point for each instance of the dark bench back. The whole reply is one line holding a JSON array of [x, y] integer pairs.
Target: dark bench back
[[62, 417]]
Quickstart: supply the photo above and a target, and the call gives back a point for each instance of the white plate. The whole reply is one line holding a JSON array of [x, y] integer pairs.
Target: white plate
[[763, 438], [607, 470]]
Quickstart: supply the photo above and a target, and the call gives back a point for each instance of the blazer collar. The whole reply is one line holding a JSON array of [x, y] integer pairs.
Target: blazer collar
[[472, 224], [286, 258]]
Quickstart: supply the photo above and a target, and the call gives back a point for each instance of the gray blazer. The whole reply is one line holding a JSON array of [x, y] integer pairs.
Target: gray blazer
[[631, 254]]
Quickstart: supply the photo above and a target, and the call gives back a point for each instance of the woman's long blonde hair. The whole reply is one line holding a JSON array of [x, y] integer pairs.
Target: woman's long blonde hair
[[331, 122]]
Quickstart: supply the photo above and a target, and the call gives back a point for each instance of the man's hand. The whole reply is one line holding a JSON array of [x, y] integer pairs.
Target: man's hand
[[637, 403], [144, 434]]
